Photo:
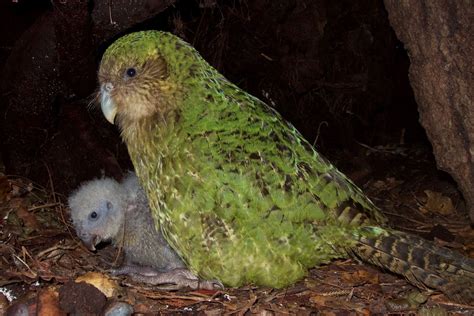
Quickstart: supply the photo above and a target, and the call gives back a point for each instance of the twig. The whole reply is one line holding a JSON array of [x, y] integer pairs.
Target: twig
[[61, 212], [342, 292], [319, 131], [386, 151], [50, 182], [168, 295], [351, 294], [54, 248], [110, 15], [450, 303], [321, 280], [406, 218], [42, 206], [24, 263]]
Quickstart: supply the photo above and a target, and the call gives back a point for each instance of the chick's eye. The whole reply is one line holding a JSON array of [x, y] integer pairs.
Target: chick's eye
[[131, 72], [93, 215]]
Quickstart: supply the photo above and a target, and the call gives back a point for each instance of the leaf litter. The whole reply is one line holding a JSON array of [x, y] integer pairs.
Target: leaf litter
[[45, 268]]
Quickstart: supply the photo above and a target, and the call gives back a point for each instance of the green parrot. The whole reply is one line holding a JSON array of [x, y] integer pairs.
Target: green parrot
[[236, 190]]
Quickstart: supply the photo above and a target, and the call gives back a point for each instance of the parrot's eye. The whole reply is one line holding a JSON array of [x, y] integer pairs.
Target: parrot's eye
[[131, 72], [93, 215]]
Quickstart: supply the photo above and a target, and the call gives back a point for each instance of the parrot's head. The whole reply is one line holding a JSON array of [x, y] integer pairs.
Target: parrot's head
[[143, 76], [98, 211]]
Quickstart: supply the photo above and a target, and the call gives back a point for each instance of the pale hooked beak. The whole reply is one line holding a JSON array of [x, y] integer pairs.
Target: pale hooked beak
[[90, 240], [108, 107]]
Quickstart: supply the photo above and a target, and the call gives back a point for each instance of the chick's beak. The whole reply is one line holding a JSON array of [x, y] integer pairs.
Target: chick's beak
[[90, 241], [108, 107]]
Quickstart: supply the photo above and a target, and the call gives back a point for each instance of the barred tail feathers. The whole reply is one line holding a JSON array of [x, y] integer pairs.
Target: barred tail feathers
[[421, 262]]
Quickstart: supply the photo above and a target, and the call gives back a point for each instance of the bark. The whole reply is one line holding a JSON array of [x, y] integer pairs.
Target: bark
[[439, 38]]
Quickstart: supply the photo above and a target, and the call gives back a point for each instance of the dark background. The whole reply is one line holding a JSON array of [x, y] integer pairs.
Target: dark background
[[334, 69]]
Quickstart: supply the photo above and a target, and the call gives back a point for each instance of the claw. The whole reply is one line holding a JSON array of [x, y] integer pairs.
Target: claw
[[170, 280], [210, 285]]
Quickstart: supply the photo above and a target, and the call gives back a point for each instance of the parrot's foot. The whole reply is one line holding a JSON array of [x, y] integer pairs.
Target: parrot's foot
[[168, 280]]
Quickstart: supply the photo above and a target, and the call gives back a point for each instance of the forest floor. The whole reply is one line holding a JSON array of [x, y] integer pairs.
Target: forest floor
[[43, 265]]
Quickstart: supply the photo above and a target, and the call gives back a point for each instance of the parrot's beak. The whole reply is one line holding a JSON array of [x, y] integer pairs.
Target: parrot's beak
[[108, 107]]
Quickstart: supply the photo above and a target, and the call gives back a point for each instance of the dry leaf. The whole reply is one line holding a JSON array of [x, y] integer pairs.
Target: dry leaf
[[387, 184], [29, 219], [436, 202], [101, 281], [359, 277], [5, 189], [213, 312], [320, 300]]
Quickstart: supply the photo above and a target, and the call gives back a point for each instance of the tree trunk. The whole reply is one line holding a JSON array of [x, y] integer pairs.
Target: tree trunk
[[439, 38]]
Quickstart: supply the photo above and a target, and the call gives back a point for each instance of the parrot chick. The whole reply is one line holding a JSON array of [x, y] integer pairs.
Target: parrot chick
[[105, 210]]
